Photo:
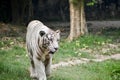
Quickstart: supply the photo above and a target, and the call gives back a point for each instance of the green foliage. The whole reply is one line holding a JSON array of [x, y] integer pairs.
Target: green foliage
[[92, 3], [75, 1]]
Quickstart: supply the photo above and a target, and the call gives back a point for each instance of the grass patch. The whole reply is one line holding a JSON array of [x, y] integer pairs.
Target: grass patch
[[88, 45], [108, 70], [73, 49], [14, 64], [8, 42]]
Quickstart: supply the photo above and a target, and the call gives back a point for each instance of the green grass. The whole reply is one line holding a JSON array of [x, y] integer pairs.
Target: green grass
[[108, 70], [14, 63], [73, 49], [89, 42], [14, 66]]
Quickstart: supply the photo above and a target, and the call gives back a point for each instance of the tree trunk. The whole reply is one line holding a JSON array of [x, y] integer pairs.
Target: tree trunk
[[77, 20], [30, 10], [21, 10], [15, 11]]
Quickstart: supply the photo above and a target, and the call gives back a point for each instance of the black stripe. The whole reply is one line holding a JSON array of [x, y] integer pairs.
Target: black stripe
[[31, 52], [32, 63]]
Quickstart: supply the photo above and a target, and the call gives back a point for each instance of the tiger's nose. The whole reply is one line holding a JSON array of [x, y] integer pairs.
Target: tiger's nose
[[56, 48]]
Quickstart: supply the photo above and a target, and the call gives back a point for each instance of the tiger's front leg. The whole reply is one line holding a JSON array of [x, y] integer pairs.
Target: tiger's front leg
[[33, 74], [39, 70], [48, 63]]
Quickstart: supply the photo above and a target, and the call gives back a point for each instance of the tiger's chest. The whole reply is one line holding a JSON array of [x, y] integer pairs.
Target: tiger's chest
[[45, 56]]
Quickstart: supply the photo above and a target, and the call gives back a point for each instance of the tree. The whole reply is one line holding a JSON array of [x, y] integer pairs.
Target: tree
[[78, 25]]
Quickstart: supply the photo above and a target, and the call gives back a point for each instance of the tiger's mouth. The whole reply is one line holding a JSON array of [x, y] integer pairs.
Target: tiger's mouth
[[51, 52]]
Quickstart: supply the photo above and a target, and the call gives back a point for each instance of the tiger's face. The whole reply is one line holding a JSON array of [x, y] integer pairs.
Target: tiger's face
[[50, 41]]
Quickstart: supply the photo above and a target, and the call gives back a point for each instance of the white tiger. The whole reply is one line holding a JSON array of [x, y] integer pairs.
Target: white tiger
[[42, 43]]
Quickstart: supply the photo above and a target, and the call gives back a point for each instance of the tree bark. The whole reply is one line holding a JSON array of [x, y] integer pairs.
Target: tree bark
[[77, 20]]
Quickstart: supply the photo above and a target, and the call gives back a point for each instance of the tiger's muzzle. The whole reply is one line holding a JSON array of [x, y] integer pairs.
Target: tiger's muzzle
[[52, 52]]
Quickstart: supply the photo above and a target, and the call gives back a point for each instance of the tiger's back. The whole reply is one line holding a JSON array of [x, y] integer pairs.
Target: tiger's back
[[32, 36]]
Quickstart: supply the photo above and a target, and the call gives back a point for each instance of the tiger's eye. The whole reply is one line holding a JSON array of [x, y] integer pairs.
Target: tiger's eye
[[58, 40], [51, 39]]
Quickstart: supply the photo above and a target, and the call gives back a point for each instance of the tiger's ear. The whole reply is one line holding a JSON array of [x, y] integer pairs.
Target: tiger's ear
[[57, 31], [42, 33]]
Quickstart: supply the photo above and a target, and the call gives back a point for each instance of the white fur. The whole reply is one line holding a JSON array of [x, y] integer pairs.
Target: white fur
[[41, 58]]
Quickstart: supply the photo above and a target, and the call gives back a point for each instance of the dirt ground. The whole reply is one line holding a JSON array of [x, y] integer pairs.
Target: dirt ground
[[104, 24], [94, 26], [98, 58]]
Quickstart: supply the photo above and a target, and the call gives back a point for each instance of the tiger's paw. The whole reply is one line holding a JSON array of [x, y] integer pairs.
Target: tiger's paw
[[33, 76]]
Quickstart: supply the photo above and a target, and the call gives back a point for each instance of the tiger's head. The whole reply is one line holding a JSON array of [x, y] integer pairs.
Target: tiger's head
[[49, 41]]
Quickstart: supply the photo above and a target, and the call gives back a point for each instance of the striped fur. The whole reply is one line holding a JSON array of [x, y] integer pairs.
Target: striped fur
[[41, 43]]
